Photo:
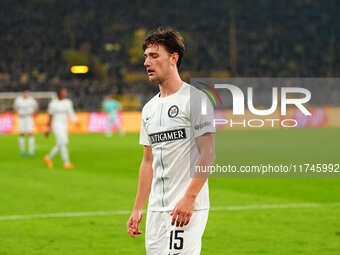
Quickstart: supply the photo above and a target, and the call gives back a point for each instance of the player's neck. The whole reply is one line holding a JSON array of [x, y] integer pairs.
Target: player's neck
[[170, 86]]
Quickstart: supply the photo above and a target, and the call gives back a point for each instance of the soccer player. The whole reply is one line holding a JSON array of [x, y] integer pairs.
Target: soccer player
[[176, 137], [111, 106], [59, 109], [26, 106]]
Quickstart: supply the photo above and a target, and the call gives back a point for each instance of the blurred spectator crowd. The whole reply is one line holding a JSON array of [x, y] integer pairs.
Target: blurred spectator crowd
[[230, 38]]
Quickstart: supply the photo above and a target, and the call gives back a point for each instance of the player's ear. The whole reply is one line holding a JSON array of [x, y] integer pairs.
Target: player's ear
[[174, 58]]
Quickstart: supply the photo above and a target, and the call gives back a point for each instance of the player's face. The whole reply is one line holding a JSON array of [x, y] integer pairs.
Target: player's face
[[62, 94], [158, 63], [26, 93]]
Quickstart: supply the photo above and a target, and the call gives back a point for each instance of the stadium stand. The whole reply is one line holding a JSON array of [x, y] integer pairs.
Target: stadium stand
[[299, 39]]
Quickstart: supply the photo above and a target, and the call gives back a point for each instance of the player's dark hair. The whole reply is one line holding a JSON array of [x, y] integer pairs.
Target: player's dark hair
[[170, 39]]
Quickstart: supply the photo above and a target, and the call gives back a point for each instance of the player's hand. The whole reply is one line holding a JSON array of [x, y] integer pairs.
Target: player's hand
[[132, 224], [182, 212], [48, 131]]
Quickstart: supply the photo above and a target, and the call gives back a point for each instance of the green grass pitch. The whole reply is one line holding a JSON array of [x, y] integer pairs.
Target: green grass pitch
[[105, 179]]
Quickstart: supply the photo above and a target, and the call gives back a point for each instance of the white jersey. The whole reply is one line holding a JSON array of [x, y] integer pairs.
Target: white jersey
[[170, 127], [25, 106], [60, 109]]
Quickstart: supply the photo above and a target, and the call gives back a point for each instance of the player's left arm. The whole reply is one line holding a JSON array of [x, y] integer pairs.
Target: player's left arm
[[183, 210], [72, 114], [36, 107]]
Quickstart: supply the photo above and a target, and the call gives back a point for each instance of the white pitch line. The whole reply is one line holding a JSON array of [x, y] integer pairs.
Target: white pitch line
[[272, 206], [62, 215], [126, 212]]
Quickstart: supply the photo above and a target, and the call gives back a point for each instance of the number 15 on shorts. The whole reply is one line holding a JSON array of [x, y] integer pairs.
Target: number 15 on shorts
[[176, 240]]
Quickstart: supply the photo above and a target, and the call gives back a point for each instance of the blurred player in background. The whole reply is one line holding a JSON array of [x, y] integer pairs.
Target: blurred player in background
[[26, 106], [59, 109], [176, 138], [112, 106]]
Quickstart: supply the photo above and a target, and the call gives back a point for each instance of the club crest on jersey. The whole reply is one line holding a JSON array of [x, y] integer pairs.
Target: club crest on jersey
[[173, 111]]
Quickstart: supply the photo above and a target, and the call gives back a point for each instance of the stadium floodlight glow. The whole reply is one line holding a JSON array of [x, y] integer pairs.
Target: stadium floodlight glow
[[79, 69]]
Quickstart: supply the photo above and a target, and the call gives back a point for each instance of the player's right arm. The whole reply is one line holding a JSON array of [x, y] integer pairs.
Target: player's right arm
[[143, 191], [49, 120], [49, 124], [15, 105]]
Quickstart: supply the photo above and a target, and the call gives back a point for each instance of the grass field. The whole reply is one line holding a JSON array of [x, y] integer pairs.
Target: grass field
[[105, 180]]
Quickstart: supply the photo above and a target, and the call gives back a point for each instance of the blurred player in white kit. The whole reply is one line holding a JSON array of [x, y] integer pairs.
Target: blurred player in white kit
[[26, 106], [59, 109]]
